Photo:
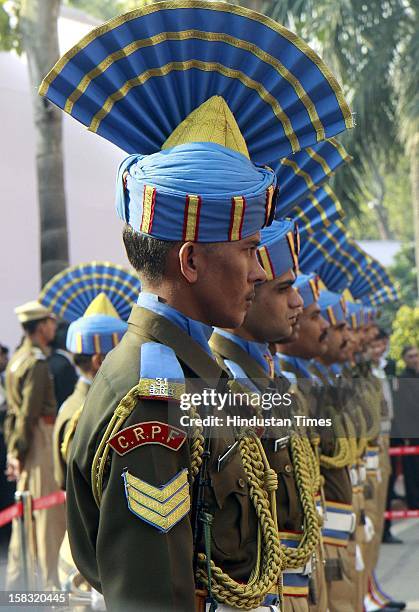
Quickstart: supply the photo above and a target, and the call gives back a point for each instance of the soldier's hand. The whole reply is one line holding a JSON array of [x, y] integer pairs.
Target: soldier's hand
[[13, 468]]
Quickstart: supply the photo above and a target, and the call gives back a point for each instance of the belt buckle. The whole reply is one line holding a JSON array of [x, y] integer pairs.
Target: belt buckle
[[281, 443]]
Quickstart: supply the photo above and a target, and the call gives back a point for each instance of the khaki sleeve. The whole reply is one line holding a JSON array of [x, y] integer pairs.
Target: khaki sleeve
[[117, 548], [35, 387]]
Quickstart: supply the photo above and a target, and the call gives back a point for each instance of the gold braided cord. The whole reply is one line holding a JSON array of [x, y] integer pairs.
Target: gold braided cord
[[263, 481], [312, 451], [69, 434], [301, 453], [362, 433], [267, 577], [342, 455], [122, 411], [351, 437], [371, 409]]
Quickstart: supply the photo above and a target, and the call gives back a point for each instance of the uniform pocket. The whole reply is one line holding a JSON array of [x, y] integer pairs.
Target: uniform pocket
[[234, 523]]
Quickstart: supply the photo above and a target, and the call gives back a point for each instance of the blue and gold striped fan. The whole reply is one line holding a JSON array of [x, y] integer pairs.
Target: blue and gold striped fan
[[324, 252], [382, 296], [70, 293], [300, 175], [320, 210], [134, 79]]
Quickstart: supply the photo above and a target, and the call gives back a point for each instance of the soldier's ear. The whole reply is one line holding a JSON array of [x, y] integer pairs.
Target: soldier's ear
[[187, 261]]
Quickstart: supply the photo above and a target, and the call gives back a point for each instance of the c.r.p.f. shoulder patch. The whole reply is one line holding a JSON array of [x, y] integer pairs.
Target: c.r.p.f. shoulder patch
[[149, 432], [162, 506]]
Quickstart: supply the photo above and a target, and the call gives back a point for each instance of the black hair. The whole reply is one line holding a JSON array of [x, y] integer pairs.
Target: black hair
[[83, 361], [146, 254], [59, 341], [4, 349], [30, 327], [382, 334]]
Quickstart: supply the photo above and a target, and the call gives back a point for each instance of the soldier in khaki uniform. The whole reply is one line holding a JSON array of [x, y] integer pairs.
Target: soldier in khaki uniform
[[93, 332], [245, 354], [335, 461], [294, 357], [154, 513], [29, 428]]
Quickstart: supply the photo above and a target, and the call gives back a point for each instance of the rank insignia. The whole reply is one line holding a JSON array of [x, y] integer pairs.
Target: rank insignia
[[162, 506], [150, 432]]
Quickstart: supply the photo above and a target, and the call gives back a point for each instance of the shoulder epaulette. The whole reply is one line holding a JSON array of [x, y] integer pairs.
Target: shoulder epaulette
[[240, 375], [161, 375]]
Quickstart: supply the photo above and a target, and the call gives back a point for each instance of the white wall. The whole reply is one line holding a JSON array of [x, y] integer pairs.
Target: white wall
[[90, 169]]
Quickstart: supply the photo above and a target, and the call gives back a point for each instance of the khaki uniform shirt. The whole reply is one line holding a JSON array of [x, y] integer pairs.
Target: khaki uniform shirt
[[30, 396], [120, 554], [64, 418], [289, 509]]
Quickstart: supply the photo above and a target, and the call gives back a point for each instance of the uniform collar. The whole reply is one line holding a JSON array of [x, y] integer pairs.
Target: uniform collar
[[154, 327], [297, 363], [200, 332], [258, 351], [29, 344]]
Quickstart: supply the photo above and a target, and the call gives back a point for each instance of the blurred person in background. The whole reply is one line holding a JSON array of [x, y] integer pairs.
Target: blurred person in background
[[407, 411], [29, 424], [7, 489], [61, 366]]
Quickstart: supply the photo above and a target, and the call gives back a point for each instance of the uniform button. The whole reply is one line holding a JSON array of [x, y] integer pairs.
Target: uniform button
[[288, 468], [241, 483]]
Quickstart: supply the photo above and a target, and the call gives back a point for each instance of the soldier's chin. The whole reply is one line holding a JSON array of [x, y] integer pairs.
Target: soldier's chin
[[230, 320]]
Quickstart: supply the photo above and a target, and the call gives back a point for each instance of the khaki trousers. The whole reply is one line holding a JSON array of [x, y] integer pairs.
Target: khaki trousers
[[340, 593], [320, 584], [295, 604], [37, 477]]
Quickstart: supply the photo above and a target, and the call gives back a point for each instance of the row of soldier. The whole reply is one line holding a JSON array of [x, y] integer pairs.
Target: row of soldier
[[162, 516]]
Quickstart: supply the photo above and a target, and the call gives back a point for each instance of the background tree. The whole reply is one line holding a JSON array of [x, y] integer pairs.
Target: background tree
[[373, 47], [31, 27], [406, 332]]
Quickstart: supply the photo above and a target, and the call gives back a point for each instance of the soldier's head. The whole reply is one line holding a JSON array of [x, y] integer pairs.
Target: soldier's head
[[43, 329], [379, 345], [274, 312], [37, 321], [410, 355], [211, 282], [333, 309], [312, 336], [88, 364], [194, 211]]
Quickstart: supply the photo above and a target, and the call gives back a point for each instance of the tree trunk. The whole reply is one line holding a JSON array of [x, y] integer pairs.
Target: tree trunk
[[378, 203], [414, 179], [38, 25]]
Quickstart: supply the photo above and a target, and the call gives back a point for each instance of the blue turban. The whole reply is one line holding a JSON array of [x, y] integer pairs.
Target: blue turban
[[195, 191]]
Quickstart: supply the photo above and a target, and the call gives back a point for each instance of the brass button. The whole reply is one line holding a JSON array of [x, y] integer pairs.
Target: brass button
[[241, 483], [288, 468]]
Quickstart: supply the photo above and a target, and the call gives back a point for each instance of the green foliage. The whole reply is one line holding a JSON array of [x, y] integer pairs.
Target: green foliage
[[396, 203], [106, 9], [404, 272], [406, 332], [9, 30]]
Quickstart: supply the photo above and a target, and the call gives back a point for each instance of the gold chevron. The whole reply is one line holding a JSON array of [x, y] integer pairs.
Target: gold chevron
[[162, 507]]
